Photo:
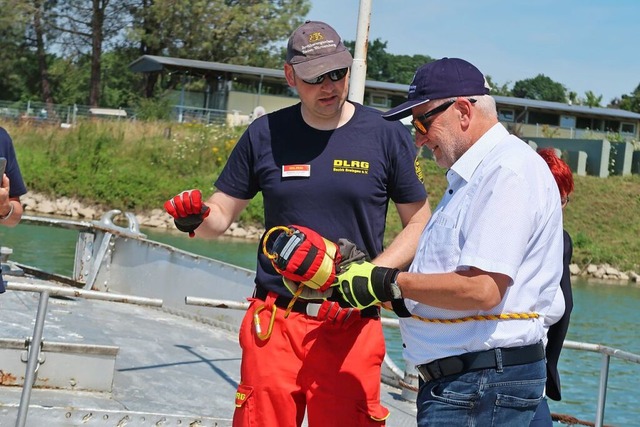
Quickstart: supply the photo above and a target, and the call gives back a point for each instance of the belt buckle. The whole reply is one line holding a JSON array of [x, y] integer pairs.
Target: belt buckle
[[424, 373], [312, 309]]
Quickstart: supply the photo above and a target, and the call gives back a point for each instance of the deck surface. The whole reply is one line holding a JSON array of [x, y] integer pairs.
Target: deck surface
[[170, 369]]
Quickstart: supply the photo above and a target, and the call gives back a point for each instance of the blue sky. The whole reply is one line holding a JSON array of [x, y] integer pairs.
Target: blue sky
[[582, 44]]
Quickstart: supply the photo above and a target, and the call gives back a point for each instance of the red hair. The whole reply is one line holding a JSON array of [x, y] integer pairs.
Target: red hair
[[560, 170]]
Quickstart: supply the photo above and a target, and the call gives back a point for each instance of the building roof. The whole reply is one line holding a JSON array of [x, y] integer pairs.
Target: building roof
[[151, 63], [567, 108]]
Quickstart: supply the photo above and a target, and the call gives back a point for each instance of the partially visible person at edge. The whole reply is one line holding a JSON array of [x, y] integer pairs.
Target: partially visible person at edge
[[490, 256], [557, 319], [11, 188], [331, 165]]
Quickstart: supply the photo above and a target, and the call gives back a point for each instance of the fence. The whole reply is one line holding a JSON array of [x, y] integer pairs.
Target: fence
[[69, 115]]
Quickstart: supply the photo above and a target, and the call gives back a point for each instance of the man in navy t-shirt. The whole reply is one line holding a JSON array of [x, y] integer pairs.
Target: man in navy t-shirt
[[11, 187], [333, 166]]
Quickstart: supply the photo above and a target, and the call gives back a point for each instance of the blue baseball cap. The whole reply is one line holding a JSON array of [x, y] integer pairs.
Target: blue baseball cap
[[444, 78]]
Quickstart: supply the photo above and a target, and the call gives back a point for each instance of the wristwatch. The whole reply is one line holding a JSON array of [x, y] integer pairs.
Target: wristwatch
[[4, 217], [393, 286]]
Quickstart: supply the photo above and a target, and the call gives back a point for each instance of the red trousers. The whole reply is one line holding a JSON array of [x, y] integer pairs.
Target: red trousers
[[332, 371]]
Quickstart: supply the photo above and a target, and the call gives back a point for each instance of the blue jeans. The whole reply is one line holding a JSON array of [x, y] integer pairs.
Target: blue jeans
[[490, 397], [542, 418]]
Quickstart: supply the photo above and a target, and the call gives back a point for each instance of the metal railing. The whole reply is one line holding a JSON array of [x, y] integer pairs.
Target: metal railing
[[68, 115]]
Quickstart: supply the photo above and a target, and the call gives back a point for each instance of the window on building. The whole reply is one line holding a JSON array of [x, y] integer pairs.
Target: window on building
[[540, 118], [583, 123], [379, 100], [628, 128], [506, 115], [612, 125], [597, 124]]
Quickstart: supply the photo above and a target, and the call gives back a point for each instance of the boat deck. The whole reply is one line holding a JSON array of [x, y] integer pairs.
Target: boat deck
[[168, 369]]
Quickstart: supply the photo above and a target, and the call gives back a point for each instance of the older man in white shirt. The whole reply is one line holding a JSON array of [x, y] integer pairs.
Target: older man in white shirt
[[488, 263]]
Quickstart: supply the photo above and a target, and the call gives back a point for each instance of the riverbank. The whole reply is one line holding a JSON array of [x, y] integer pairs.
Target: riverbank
[[157, 218]]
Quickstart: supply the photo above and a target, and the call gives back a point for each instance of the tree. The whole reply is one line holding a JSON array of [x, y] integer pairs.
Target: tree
[[14, 54], [540, 87], [592, 100], [497, 89], [85, 27], [386, 67], [630, 102], [40, 20], [216, 30]]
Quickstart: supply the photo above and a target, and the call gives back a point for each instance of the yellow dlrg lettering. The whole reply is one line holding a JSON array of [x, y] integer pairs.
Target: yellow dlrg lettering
[[351, 164], [241, 396]]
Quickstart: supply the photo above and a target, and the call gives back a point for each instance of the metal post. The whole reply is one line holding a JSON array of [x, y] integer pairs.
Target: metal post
[[359, 67], [32, 361], [602, 389]]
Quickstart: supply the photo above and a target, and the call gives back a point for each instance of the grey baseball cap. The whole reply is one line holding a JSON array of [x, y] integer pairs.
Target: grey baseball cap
[[315, 48]]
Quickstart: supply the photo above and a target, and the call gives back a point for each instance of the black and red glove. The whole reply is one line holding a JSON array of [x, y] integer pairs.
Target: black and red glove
[[187, 210]]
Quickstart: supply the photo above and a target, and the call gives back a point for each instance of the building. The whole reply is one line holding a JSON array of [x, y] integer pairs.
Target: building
[[235, 94], [238, 90]]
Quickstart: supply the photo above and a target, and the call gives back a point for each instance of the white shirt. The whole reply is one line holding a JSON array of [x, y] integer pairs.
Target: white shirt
[[500, 213], [555, 312]]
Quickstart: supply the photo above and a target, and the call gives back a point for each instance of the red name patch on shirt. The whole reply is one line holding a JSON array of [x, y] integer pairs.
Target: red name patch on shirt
[[289, 171]]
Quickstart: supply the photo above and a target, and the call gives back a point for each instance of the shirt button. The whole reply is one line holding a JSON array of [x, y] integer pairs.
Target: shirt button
[[450, 191]]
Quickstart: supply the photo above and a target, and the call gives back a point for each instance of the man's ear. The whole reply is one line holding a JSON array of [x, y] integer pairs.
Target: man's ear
[[289, 75], [465, 107]]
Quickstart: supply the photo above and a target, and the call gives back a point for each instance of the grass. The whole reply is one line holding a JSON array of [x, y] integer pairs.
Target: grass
[[136, 166]]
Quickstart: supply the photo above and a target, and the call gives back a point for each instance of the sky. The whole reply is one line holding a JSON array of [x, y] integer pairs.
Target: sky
[[582, 44]]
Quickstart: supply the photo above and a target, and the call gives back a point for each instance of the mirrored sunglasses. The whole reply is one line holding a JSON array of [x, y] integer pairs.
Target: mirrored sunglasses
[[335, 75], [420, 123]]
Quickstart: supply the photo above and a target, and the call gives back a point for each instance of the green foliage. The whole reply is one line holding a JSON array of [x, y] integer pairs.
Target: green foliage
[[630, 102], [540, 87], [592, 100], [386, 67], [153, 109], [497, 89], [548, 132], [120, 164]]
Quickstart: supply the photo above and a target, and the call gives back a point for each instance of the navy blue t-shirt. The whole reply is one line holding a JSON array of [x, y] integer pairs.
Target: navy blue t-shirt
[[12, 170], [335, 182]]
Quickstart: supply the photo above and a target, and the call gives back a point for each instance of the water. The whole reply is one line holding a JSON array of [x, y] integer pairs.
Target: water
[[603, 314]]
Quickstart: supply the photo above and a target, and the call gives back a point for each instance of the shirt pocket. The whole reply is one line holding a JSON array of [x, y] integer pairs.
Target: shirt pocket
[[442, 250]]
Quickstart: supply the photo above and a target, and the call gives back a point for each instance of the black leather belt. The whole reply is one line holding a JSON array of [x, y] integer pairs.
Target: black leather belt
[[300, 306], [309, 307], [478, 360]]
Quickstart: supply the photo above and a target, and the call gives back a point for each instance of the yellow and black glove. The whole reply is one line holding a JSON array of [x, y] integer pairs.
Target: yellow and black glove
[[307, 293], [363, 284]]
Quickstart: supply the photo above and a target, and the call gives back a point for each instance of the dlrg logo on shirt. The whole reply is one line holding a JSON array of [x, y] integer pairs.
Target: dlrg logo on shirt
[[351, 166]]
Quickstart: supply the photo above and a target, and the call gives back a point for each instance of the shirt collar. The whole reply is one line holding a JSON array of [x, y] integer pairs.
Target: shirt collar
[[466, 165]]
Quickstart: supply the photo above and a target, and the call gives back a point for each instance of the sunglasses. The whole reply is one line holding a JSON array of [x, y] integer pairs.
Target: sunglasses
[[420, 123], [335, 76]]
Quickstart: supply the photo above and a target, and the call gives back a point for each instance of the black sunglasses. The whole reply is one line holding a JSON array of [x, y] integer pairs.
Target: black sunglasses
[[335, 75], [420, 123]]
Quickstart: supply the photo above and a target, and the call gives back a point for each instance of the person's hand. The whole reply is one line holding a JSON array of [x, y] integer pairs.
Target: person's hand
[[307, 292], [362, 284], [330, 311], [187, 210], [349, 253]]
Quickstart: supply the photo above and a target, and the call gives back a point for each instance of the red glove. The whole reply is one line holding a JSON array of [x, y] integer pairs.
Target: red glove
[[330, 311], [187, 210]]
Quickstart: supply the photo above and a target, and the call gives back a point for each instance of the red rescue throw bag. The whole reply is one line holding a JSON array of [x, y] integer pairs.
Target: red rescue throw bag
[[302, 255]]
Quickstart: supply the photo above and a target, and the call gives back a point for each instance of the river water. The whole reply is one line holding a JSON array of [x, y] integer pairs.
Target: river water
[[603, 314]]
